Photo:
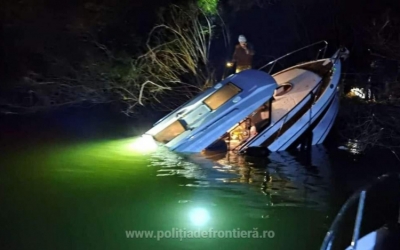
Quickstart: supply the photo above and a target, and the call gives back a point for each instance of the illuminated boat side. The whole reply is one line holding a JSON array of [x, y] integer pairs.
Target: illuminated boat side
[[208, 116], [257, 109], [316, 111]]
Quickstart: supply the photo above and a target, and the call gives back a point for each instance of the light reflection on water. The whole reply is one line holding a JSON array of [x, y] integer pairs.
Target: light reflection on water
[[101, 189], [279, 179], [355, 146], [84, 195]]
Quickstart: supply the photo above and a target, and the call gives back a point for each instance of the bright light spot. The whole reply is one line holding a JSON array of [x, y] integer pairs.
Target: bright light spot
[[229, 64], [358, 92], [145, 143], [199, 216], [355, 146]]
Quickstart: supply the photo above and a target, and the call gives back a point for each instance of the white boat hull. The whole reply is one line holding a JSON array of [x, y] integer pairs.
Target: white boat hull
[[319, 117], [256, 109], [321, 131]]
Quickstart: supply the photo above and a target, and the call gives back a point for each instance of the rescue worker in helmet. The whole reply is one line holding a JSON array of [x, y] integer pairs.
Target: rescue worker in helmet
[[243, 55]]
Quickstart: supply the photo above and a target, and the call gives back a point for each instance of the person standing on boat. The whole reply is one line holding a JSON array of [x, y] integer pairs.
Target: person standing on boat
[[243, 55]]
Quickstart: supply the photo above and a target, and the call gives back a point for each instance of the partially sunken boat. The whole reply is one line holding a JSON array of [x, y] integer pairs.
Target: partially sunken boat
[[255, 108]]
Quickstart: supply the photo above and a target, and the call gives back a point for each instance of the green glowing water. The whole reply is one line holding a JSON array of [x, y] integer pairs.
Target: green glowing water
[[86, 195]]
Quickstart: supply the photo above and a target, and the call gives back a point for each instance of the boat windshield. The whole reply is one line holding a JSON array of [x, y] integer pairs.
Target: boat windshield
[[221, 96]]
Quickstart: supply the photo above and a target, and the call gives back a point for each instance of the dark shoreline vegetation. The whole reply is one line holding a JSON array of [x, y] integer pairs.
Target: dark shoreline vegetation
[[369, 124]]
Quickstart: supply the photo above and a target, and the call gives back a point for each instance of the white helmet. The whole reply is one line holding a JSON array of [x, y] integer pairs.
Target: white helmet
[[242, 39]]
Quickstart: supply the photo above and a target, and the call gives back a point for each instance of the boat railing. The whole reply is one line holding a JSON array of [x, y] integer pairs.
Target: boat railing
[[322, 50], [359, 196], [311, 93]]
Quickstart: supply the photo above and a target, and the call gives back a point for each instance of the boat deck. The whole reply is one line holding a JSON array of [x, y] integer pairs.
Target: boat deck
[[302, 82]]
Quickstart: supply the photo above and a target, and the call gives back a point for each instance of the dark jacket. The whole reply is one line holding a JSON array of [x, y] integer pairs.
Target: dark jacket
[[241, 57]]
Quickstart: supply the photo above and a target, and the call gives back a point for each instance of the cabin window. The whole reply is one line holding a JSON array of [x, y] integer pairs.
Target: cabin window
[[283, 89], [221, 96], [170, 132]]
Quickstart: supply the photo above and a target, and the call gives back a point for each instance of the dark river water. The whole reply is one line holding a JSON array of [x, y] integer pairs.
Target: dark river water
[[69, 183]]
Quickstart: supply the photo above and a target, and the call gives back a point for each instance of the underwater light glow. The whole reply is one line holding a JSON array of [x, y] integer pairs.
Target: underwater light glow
[[199, 216], [145, 143]]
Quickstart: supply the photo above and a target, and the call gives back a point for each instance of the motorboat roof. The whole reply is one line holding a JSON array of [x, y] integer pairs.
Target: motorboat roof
[[251, 78], [216, 110]]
